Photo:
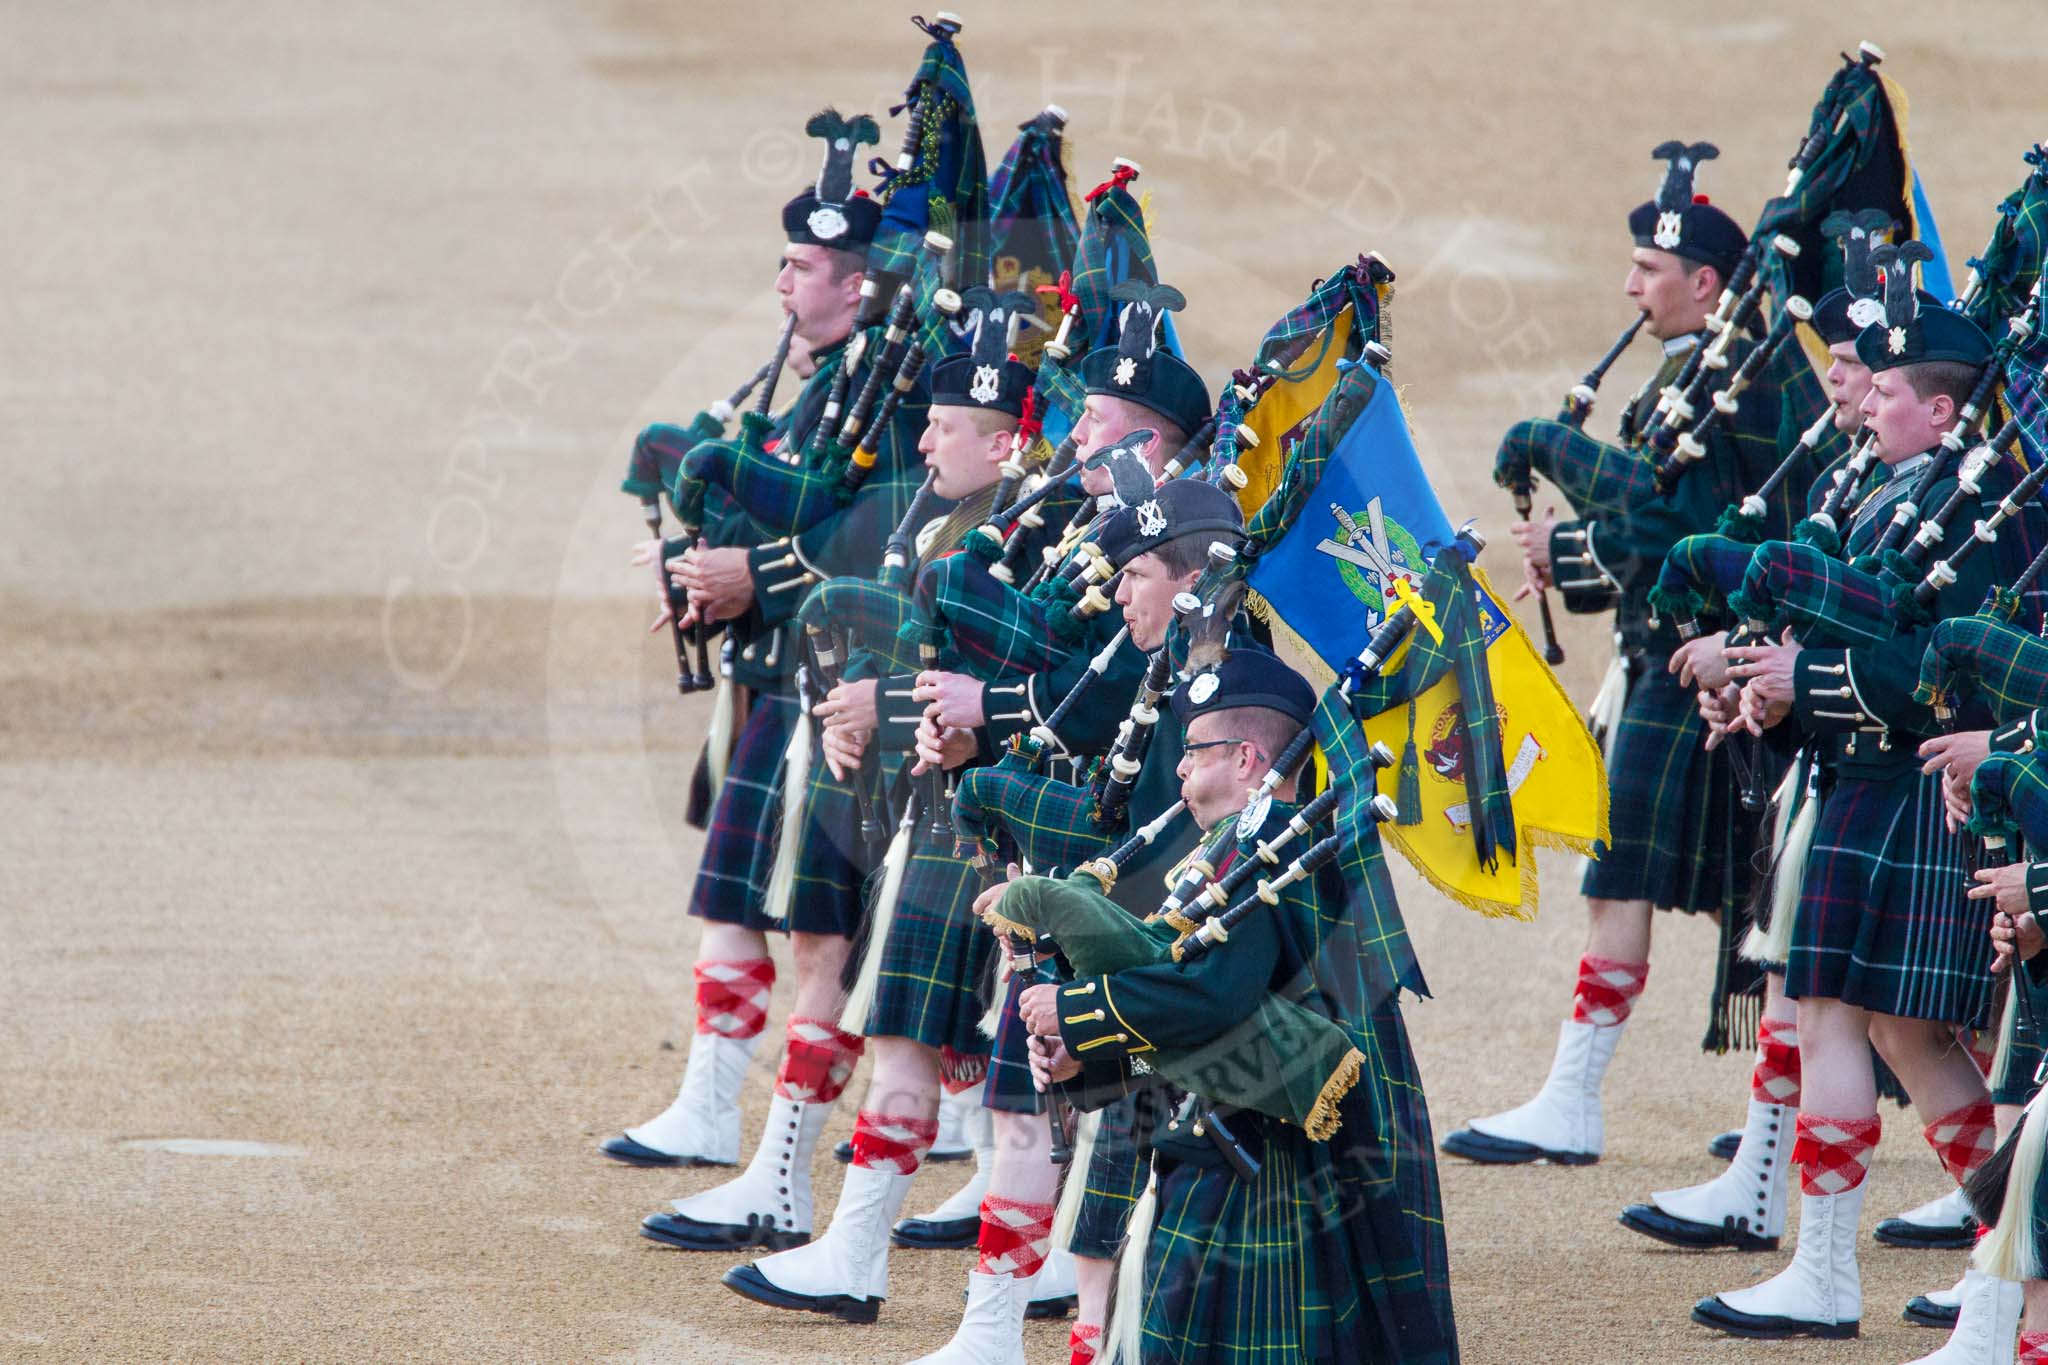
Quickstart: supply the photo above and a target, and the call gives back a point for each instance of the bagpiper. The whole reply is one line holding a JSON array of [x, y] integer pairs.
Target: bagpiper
[[1883, 951], [754, 583], [1678, 839], [1301, 1193]]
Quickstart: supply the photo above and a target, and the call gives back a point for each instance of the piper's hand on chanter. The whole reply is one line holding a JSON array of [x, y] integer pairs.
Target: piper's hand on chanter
[[849, 706], [953, 700], [1758, 712], [942, 748], [1720, 709], [843, 748], [1961, 753], [647, 555], [986, 901], [1765, 672], [1955, 800], [717, 580], [1050, 1063], [1039, 1007], [2013, 933], [1702, 663], [2006, 886], [1534, 538]]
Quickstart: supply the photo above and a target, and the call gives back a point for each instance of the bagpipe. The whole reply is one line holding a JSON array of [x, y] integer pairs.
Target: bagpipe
[[1888, 579], [999, 629], [651, 471], [1801, 584], [1988, 656], [1577, 407], [1284, 1060], [1701, 573], [1015, 804], [1832, 153], [791, 489]]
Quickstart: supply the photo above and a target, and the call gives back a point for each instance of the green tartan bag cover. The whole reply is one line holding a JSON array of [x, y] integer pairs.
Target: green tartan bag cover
[[1283, 1060]]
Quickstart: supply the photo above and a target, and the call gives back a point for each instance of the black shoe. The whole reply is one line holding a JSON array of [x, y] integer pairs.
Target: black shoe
[[942, 1234], [1922, 1311], [1723, 1147], [1897, 1232], [623, 1148], [843, 1153], [1474, 1145], [750, 1283], [672, 1229], [1044, 1310], [1652, 1221], [1719, 1316]]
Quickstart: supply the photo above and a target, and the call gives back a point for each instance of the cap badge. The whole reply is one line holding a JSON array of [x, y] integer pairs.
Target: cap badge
[[1151, 521], [988, 383], [1670, 227], [1898, 341], [1202, 688], [826, 223], [1252, 818], [1864, 312], [1126, 371]]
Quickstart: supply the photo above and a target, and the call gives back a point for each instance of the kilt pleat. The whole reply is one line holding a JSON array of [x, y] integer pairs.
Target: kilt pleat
[[1008, 1087], [739, 845], [1671, 843], [1313, 1259], [1116, 1177], [932, 962], [1883, 920], [829, 892]]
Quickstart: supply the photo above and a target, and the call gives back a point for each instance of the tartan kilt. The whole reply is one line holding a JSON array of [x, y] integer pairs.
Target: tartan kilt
[[1673, 842], [1008, 1087], [1883, 922], [935, 955], [2013, 1065], [828, 895], [1115, 1176], [739, 846], [1313, 1259]]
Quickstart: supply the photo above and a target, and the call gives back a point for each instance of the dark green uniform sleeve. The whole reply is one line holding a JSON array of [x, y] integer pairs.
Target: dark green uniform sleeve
[[897, 714], [2017, 737], [1015, 705], [2037, 890], [1177, 1004], [1581, 579]]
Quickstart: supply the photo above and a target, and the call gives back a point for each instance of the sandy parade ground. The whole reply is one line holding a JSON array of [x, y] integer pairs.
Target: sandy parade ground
[[343, 871]]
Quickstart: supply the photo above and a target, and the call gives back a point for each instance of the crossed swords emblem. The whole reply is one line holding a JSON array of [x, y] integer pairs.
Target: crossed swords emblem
[[1366, 546], [1369, 548]]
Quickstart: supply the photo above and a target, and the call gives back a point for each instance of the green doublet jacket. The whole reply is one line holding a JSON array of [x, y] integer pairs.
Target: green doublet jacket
[[1611, 556], [765, 644], [1856, 705], [1110, 1021]]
